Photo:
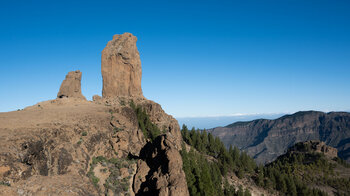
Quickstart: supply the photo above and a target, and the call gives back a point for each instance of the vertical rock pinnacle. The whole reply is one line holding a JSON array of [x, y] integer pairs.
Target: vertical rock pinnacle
[[121, 67]]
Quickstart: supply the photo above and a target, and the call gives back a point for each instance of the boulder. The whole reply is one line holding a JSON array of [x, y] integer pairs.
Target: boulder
[[96, 98], [71, 86], [121, 67]]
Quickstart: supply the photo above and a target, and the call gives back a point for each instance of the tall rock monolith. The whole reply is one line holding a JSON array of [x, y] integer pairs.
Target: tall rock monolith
[[121, 67]]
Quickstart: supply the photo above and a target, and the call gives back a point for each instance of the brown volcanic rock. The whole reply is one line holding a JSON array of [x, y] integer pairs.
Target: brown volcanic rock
[[51, 150], [164, 121], [160, 172], [121, 67], [57, 140], [71, 86], [46, 152]]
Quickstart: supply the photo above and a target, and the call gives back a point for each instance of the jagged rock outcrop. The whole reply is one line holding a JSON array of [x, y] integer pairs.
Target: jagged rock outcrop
[[265, 140], [160, 169], [71, 86], [314, 146], [164, 121], [121, 67]]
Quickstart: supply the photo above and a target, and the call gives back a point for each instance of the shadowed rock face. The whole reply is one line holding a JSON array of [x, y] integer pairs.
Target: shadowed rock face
[[265, 140], [121, 67], [160, 169], [71, 86]]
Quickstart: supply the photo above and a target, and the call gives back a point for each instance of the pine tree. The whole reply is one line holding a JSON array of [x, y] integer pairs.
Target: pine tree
[[208, 187], [193, 137], [211, 145], [260, 178], [235, 156], [292, 190], [204, 136]]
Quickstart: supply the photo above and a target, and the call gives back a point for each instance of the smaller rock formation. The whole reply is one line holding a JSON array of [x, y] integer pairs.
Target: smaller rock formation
[[71, 86], [121, 67], [314, 146]]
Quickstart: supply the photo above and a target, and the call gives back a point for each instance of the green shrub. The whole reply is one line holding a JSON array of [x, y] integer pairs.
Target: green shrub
[[149, 130]]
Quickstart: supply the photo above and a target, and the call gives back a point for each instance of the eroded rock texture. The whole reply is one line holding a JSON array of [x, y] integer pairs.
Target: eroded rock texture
[[160, 169], [121, 67], [160, 166], [71, 86]]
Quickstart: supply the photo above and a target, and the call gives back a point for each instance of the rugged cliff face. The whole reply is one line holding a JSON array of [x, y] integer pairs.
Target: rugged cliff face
[[265, 140], [71, 146]]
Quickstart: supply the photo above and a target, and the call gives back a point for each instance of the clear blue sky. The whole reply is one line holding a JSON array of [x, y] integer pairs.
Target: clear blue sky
[[199, 58]]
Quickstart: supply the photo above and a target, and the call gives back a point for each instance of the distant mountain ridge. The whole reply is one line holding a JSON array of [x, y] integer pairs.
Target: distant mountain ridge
[[215, 121], [266, 139]]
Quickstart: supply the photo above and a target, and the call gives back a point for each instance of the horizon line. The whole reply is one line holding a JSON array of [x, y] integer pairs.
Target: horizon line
[[256, 114]]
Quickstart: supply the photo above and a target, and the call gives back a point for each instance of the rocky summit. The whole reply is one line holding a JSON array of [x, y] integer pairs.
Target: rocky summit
[[121, 67], [71, 86], [314, 146], [118, 144]]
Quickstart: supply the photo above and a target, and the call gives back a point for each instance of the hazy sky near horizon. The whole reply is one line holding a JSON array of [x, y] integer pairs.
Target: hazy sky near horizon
[[199, 58]]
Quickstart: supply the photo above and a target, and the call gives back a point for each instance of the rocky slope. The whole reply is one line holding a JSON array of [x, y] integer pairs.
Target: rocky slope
[[265, 139], [71, 146]]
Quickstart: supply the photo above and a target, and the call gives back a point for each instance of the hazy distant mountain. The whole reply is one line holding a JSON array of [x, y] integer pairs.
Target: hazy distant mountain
[[215, 121], [266, 139]]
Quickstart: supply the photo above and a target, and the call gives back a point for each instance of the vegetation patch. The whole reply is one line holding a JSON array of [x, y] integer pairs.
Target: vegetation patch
[[4, 183], [117, 129], [342, 162], [204, 177], [80, 141], [149, 130], [293, 172], [114, 181]]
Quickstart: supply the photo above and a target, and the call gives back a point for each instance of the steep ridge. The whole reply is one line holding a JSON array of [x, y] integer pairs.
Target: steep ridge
[[265, 140], [71, 146]]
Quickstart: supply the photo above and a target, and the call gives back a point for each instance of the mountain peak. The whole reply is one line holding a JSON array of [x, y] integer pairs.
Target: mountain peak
[[314, 146]]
